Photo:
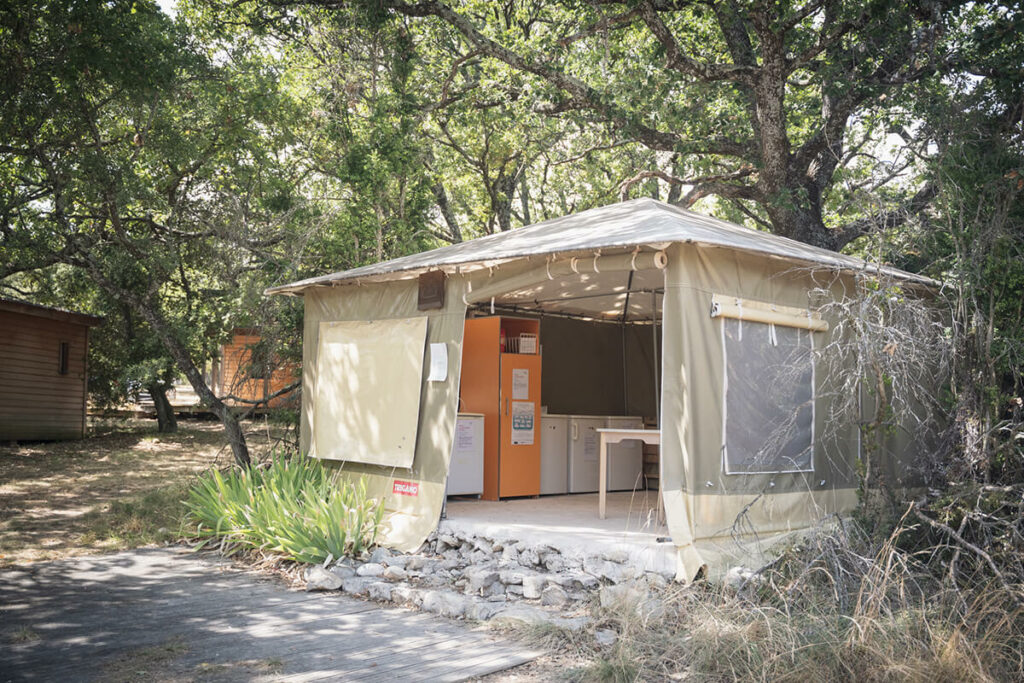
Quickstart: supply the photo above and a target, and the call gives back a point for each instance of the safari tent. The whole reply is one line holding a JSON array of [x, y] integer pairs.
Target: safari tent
[[644, 309]]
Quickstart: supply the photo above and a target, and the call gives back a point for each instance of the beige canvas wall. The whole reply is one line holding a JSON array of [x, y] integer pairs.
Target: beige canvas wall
[[411, 516], [702, 502]]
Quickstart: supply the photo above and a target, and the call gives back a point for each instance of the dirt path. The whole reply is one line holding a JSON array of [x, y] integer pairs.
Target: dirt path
[[103, 493], [166, 614]]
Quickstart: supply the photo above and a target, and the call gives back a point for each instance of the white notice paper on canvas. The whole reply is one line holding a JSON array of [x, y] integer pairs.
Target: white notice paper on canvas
[[520, 384], [522, 423], [438, 362]]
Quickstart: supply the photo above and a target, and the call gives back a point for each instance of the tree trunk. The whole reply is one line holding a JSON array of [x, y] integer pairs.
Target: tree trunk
[[148, 311], [167, 423], [802, 223], [450, 219]]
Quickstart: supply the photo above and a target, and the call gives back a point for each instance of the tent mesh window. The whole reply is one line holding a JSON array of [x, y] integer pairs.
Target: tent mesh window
[[768, 425]]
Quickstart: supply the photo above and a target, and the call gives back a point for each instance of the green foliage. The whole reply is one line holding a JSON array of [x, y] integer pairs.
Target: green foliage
[[295, 507], [142, 181], [794, 104]]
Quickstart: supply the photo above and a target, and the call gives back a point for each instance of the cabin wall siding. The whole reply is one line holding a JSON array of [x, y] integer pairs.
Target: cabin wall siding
[[36, 401], [236, 356]]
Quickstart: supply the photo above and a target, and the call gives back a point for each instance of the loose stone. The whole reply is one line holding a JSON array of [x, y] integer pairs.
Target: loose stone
[[510, 577], [370, 569], [343, 571], [319, 579], [380, 591], [446, 603], [357, 585], [553, 596], [533, 585], [379, 555], [394, 574]]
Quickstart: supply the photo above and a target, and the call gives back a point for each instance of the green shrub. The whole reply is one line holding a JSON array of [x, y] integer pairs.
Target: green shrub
[[294, 507]]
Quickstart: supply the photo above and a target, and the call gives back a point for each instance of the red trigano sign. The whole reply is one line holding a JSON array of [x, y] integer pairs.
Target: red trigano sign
[[406, 488]]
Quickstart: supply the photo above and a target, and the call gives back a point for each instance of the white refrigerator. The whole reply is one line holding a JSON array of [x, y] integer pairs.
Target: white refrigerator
[[583, 450], [466, 467], [626, 458], [554, 454]]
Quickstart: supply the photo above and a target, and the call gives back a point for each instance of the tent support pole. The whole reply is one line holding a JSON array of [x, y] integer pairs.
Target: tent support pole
[[622, 329], [657, 365], [517, 309]]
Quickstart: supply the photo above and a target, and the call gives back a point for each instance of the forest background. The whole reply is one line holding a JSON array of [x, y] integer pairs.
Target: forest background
[[162, 166]]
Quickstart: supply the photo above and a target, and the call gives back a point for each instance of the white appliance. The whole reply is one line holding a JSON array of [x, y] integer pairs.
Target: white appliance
[[583, 451], [466, 468], [554, 454], [626, 458]]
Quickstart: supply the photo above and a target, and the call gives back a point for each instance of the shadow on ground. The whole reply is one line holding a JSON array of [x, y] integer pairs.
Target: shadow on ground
[[169, 615]]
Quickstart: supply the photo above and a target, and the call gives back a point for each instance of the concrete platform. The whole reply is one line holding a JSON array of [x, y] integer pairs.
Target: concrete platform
[[570, 524]]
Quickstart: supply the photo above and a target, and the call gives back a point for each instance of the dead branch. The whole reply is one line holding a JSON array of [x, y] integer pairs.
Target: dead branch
[[973, 548]]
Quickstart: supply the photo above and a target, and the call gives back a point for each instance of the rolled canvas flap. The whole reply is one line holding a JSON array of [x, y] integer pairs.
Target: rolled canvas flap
[[763, 312]]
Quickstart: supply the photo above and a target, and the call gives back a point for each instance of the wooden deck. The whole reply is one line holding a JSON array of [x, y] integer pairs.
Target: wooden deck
[[164, 615]]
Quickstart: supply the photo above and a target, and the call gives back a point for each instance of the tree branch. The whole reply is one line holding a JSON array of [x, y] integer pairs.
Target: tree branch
[[885, 220], [668, 178], [678, 61], [266, 399], [973, 548], [601, 25]]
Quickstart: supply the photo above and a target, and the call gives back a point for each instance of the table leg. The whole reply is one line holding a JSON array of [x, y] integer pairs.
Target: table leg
[[602, 485]]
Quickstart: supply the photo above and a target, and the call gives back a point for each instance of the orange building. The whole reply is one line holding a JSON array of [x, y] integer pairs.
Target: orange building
[[248, 371]]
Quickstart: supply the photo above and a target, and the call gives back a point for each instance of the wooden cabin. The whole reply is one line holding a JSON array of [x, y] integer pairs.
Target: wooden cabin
[[43, 372], [246, 370]]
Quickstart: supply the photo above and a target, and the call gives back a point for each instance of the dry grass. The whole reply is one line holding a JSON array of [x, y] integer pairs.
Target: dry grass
[[150, 664], [24, 634], [838, 608], [118, 489], [716, 637]]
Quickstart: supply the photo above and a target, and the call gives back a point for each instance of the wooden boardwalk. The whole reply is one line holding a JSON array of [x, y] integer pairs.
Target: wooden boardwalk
[[162, 615]]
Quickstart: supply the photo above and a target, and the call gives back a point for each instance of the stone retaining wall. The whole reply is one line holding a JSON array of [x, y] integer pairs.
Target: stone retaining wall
[[465, 576]]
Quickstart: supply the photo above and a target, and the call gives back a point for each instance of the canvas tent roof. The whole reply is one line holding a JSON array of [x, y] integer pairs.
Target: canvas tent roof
[[623, 225]]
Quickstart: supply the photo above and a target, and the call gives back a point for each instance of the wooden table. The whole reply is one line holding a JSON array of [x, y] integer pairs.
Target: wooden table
[[610, 435]]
